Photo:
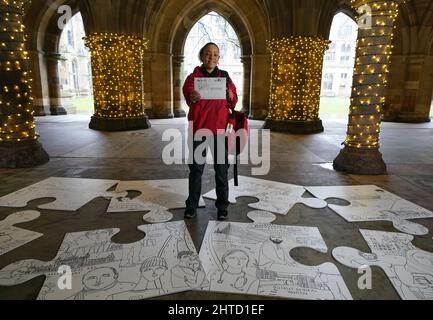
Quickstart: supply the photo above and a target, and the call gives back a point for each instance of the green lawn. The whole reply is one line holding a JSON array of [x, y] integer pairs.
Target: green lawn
[[329, 107], [334, 107], [82, 104]]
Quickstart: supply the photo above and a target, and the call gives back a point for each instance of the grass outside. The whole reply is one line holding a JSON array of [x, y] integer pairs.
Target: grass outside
[[329, 107], [81, 104]]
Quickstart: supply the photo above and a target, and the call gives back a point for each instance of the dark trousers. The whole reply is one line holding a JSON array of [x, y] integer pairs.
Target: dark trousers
[[221, 177]]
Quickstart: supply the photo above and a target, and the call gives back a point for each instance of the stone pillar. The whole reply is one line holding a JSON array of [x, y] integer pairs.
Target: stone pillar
[[147, 85], [296, 65], [360, 154], [18, 140], [410, 89], [177, 86], [260, 76], [52, 61], [117, 71], [162, 97], [246, 61], [39, 88]]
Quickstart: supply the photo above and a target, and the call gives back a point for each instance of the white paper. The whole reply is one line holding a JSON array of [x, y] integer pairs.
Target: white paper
[[211, 88]]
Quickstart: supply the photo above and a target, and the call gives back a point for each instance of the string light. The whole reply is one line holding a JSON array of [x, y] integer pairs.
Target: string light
[[16, 106], [374, 48], [117, 71], [296, 77]]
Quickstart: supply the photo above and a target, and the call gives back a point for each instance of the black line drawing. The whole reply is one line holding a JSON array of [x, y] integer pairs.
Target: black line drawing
[[371, 203], [102, 269], [275, 197], [409, 268], [12, 237], [255, 259]]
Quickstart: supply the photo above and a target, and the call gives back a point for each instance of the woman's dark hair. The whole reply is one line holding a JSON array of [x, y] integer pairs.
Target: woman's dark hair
[[200, 54]]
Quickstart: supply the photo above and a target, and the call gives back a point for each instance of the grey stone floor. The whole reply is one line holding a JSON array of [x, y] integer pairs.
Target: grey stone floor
[[77, 151]]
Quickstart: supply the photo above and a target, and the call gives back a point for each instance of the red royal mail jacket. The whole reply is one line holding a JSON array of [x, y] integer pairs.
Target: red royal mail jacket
[[208, 114]]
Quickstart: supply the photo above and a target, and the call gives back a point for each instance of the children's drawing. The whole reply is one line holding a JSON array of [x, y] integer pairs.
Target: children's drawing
[[104, 270], [409, 269], [255, 259], [275, 197], [12, 237], [371, 203]]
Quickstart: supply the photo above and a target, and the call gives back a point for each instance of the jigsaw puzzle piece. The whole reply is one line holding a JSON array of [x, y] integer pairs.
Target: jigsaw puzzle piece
[[255, 259], [70, 193], [276, 197], [258, 216], [371, 203], [12, 237], [164, 262], [170, 194], [409, 269]]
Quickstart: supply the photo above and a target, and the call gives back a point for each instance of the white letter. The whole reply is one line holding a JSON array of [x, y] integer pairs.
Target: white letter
[[265, 159], [65, 280], [174, 147], [364, 282], [365, 20], [67, 15]]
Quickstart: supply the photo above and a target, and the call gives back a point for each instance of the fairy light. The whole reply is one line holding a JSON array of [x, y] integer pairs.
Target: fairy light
[[374, 48], [296, 77], [117, 74], [16, 104]]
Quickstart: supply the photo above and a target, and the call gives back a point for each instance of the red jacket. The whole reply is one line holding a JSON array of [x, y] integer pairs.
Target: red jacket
[[209, 114]]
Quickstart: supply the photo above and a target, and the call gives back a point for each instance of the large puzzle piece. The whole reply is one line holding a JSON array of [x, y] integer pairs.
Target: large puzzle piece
[[276, 197], [164, 262], [155, 195], [371, 203], [409, 268], [12, 237], [255, 259], [70, 193]]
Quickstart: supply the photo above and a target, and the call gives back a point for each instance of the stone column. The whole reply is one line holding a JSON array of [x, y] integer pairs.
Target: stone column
[[18, 140], [260, 76], [117, 70], [360, 154], [295, 84], [162, 87], [408, 97], [246, 61], [177, 86], [52, 61]]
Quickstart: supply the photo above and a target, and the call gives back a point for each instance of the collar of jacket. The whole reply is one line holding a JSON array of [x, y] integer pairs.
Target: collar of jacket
[[213, 74]]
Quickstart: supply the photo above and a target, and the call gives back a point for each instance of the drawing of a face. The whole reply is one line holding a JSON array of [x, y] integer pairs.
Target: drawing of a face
[[100, 278], [153, 273], [236, 259]]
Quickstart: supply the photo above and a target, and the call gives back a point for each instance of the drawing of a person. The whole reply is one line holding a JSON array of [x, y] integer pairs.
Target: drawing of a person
[[234, 274], [150, 284], [188, 273], [274, 255], [101, 284]]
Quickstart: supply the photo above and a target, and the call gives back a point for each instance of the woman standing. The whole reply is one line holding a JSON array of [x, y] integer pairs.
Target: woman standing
[[211, 115]]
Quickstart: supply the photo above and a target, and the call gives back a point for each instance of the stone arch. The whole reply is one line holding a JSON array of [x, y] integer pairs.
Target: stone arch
[[41, 20], [169, 29], [170, 33]]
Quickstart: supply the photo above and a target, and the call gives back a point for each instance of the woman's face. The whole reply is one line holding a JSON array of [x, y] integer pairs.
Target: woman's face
[[211, 57]]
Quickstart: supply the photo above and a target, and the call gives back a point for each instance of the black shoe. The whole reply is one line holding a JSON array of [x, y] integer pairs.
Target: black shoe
[[190, 214], [222, 215]]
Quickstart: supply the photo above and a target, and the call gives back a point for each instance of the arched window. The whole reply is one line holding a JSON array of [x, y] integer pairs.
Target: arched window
[[338, 67], [75, 70], [214, 28]]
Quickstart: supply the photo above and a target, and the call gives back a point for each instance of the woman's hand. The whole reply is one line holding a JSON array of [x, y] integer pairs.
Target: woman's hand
[[194, 96]]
